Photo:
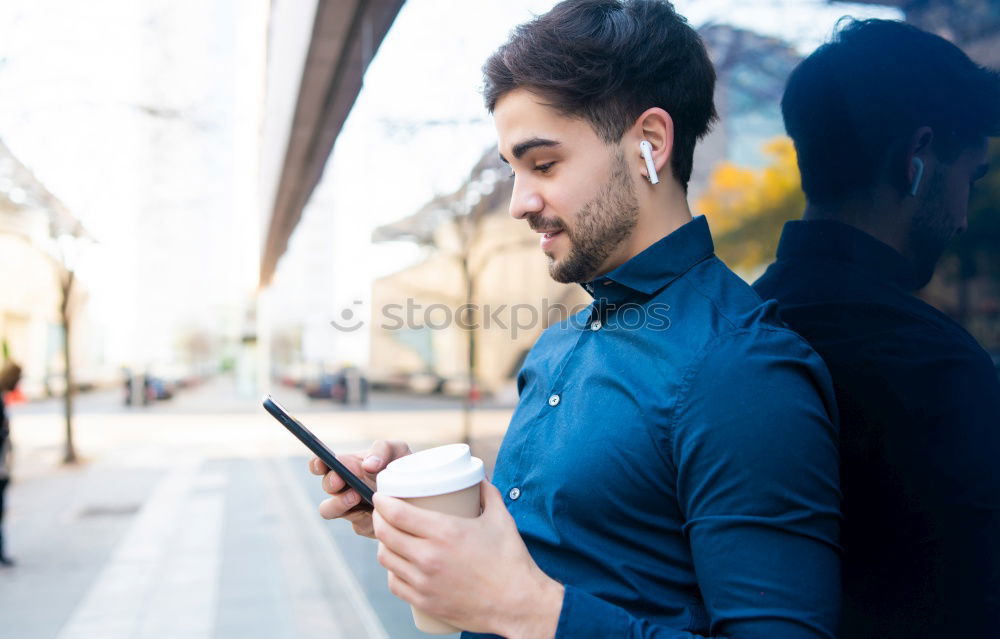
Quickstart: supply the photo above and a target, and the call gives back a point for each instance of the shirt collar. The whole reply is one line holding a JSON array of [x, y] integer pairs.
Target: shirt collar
[[657, 265], [839, 242]]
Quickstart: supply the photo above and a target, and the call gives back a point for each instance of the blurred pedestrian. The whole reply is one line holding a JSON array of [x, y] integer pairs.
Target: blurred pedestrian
[[10, 375], [147, 389], [127, 374], [890, 124]]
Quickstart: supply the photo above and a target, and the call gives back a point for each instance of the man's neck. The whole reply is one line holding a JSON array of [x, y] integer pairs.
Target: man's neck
[[659, 216], [869, 214]]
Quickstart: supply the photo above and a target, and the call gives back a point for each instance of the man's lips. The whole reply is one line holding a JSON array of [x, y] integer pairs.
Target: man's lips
[[548, 237]]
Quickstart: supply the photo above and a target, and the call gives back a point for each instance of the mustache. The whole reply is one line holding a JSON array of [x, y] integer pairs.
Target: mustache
[[540, 225]]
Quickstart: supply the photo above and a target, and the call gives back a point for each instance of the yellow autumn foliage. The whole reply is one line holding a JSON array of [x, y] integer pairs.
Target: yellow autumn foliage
[[746, 207]]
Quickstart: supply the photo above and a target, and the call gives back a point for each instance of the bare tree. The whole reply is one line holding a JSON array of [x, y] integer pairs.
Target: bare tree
[[463, 212], [482, 197], [67, 277]]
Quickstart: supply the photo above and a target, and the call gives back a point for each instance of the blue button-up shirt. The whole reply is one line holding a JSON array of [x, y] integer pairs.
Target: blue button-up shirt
[[673, 458]]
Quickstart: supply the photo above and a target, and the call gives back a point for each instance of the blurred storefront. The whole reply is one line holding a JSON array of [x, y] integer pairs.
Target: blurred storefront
[[37, 234]]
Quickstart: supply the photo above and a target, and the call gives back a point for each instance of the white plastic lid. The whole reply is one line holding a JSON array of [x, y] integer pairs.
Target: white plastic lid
[[434, 471]]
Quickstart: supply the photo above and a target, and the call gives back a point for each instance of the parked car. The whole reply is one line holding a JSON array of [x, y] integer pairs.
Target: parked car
[[160, 389], [458, 386], [426, 383], [328, 386], [348, 385]]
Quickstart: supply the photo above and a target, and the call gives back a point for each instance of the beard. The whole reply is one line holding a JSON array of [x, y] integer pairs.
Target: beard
[[930, 232], [599, 228]]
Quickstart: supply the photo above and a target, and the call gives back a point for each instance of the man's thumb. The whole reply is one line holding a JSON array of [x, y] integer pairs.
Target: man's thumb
[[490, 497], [372, 463]]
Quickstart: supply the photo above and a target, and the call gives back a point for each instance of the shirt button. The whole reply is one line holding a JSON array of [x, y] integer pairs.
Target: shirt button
[[514, 493], [554, 400], [595, 325]]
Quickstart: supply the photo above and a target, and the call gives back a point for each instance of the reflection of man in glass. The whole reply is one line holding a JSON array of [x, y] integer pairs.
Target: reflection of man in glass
[[10, 375], [891, 125]]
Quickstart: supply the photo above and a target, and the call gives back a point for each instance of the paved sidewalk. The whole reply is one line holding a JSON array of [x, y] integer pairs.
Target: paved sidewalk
[[195, 526]]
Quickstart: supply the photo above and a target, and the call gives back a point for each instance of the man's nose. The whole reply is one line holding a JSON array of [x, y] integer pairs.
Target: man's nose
[[524, 201]]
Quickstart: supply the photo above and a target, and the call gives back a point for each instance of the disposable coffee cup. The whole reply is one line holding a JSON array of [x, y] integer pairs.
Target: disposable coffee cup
[[444, 479]]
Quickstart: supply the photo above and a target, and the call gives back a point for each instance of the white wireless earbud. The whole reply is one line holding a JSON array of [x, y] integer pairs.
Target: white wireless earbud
[[647, 153], [918, 173]]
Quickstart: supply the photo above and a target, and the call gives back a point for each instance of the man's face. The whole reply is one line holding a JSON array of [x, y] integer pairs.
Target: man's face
[[943, 211], [570, 186]]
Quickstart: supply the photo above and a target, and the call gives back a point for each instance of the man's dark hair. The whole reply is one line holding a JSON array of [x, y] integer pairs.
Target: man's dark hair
[[859, 98], [607, 61]]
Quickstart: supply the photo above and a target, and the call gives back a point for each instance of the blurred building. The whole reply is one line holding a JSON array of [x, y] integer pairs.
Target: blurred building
[[37, 234]]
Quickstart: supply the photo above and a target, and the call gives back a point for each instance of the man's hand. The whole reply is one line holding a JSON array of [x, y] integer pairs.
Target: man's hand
[[364, 465], [473, 573]]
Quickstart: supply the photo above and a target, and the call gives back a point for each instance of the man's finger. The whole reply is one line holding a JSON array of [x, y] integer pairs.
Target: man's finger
[[490, 498], [398, 541], [339, 505], [330, 508], [364, 528], [358, 514], [378, 457], [396, 563], [381, 453], [361, 521], [317, 467], [403, 590], [333, 483], [417, 522]]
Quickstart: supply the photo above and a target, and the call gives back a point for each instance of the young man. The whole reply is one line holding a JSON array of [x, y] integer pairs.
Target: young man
[[671, 468], [890, 125]]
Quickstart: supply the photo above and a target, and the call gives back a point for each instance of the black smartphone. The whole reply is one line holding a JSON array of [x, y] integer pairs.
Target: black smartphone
[[315, 445]]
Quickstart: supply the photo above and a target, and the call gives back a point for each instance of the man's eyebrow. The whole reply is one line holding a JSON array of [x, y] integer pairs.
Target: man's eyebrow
[[523, 147]]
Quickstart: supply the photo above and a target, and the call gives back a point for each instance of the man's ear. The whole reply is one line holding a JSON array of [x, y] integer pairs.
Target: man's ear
[[917, 159], [656, 127]]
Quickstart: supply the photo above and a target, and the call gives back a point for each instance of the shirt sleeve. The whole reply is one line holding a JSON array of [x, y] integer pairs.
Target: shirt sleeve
[[754, 441]]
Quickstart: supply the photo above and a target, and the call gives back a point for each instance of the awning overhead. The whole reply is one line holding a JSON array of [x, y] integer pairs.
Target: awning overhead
[[346, 34]]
